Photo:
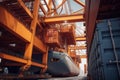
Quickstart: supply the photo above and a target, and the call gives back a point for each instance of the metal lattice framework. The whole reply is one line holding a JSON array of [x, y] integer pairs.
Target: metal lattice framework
[[22, 26]]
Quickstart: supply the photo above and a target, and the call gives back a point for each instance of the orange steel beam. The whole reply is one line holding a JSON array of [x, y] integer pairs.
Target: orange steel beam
[[45, 57], [18, 29], [46, 4], [28, 11], [80, 2], [25, 8], [38, 23], [77, 47], [55, 10], [85, 68], [39, 44], [80, 38], [78, 11], [19, 60], [61, 4], [61, 19], [42, 8], [50, 12], [38, 65], [14, 25], [29, 46], [49, 5], [12, 58], [73, 55], [45, 60], [83, 56]]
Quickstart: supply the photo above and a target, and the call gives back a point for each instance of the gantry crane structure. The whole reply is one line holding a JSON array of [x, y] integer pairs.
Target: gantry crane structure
[[23, 24]]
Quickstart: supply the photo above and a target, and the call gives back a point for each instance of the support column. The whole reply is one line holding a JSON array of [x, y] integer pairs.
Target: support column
[[68, 50], [29, 46], [45, 60]]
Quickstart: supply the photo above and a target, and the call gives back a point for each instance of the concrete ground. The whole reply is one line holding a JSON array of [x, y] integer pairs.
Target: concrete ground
[[68, 78]]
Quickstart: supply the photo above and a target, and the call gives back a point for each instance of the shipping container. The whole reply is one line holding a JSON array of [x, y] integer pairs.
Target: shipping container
[[104, 56], [52, 38], [67, 32]]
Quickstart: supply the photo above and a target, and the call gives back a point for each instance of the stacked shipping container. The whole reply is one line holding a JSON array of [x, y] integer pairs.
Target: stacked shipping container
[[104, 56]]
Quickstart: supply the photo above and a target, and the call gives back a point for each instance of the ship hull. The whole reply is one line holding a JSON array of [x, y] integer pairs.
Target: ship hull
[[60, 64]]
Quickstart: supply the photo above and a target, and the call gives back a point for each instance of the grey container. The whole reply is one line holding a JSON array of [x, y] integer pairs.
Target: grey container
[[105, 48]]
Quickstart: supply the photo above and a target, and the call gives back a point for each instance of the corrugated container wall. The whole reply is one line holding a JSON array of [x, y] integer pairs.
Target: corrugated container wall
[[104, 58]]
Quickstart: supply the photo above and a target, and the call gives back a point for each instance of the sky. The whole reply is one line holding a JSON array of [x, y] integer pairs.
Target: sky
[[75, 6]]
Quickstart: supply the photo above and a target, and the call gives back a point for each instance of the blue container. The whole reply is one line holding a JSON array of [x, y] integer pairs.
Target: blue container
[[102, 61]]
